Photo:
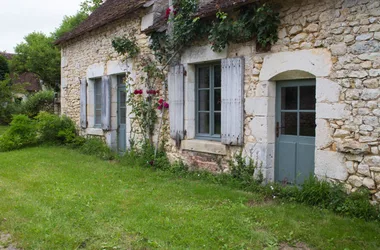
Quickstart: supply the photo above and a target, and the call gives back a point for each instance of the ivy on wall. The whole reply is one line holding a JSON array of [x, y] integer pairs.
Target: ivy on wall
[[253, 22]]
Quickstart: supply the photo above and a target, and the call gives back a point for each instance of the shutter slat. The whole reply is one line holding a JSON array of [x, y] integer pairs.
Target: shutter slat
[[106, 103], [83, 103], [232, 101], [176, 101]]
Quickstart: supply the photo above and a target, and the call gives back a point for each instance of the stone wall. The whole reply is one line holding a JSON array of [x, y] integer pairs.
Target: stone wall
[[336, 42]]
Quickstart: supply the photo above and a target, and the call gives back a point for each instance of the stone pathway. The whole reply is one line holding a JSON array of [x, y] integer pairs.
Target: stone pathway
[[6, 243]]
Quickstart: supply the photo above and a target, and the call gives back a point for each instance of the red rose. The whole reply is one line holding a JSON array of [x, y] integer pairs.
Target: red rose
[[166, 105], [160, 101]]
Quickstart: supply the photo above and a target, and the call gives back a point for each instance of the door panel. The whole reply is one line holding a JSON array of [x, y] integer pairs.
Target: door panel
[[122, 119], [295, 135]]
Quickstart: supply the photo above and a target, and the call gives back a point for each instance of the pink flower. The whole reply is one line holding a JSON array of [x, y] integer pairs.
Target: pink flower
[[138, 92], [166, 105], [161, 101], [160, 107], [167, 14]]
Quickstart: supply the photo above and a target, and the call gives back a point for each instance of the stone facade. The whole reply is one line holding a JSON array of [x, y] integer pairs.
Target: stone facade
[[336, 42]]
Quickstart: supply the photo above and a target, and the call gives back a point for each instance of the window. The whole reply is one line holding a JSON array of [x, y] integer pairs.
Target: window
[[208, 101], [98, 102]]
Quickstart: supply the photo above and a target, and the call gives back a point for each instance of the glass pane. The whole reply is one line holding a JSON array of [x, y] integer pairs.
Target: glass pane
[[307, 124], [204, 123], [204, 100], [289, 98], [120, 80], [307, 98], [289, 123], [123, 99], [218, 123], [123, 115], [218, 100], [204, 78], [217, 76], [98, 117]]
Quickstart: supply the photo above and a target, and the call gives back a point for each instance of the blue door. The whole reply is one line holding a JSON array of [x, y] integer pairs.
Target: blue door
[[295, 130], [121, 115]]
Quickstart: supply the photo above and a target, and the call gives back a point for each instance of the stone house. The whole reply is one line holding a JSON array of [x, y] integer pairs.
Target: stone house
[[310, 105]]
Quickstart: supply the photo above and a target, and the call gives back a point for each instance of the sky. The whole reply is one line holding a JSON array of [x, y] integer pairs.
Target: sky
[[18, 18]]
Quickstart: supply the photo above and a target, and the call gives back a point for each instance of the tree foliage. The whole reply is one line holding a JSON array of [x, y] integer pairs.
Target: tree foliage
[[40, 56], [4, 67], [68, 24], [89, 6]]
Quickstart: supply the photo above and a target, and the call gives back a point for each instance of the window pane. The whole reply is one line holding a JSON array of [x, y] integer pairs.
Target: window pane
[[123, 115], [218, 100], [204, 123], [307, 124], [289, 123], [123, 98], [204, 78], [217, 76], [307, 98], [204, 100], [120, 80], [98, 117], [289, 98], [218, 123]]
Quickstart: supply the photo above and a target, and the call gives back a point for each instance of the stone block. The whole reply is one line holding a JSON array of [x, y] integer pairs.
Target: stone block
[[332, 111], [355, 181], [323, 137], [260, 106], [203, 146], [353, 147], [370, 94], [327, 91], [363, 169], [369, 183], [339, 49], [331, 165], [263, 129]]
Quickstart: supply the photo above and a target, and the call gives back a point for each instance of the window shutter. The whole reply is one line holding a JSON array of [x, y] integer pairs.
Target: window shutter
[[83, 103], [176, 101], [232, 101], [106, 103]]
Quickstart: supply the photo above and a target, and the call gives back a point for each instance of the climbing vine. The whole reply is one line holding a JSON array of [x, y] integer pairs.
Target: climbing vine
[[126, 46], [254, 21]]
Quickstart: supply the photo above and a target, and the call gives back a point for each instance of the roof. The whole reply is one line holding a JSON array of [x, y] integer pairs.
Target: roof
[[8, 56], [26, 77], [206, 9], [108, 12]]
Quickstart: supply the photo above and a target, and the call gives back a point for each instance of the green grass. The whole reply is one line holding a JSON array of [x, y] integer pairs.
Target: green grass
[[3, 129], [56, 198]]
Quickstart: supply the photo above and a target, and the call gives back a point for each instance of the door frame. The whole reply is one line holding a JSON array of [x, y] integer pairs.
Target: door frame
[[289, 83]]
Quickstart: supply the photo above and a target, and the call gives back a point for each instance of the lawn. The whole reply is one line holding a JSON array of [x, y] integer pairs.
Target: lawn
[[3, 129], [56, 198]]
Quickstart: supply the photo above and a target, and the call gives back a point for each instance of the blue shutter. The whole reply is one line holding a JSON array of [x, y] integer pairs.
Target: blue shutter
[[106, 103], [176, 101], [83, 103], [232, 101]]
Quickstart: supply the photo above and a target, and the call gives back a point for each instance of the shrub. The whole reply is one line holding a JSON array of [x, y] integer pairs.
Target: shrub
[[40, 101], [97, 147], [55, 129], [243, 169], [22, 132]]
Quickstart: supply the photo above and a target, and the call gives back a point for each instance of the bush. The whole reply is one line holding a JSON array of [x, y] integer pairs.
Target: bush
[[40, 101], [243, 169], [323, 194], [54, 129], [22, 132], [96, 146]]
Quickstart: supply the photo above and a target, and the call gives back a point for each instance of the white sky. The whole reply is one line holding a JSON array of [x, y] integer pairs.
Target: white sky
[[18, 18]]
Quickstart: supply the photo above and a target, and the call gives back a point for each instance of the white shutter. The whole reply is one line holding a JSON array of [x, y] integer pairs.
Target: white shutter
[[232, 101], [83, 103], [176, 101], [106, 103]]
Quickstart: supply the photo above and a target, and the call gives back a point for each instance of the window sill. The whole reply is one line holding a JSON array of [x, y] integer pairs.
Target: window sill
[[95, 131], [203, 146]]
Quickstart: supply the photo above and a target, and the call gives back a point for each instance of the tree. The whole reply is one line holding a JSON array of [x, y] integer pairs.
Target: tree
[[39, 56], [89, 6], [4, 67], [68, 24]]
